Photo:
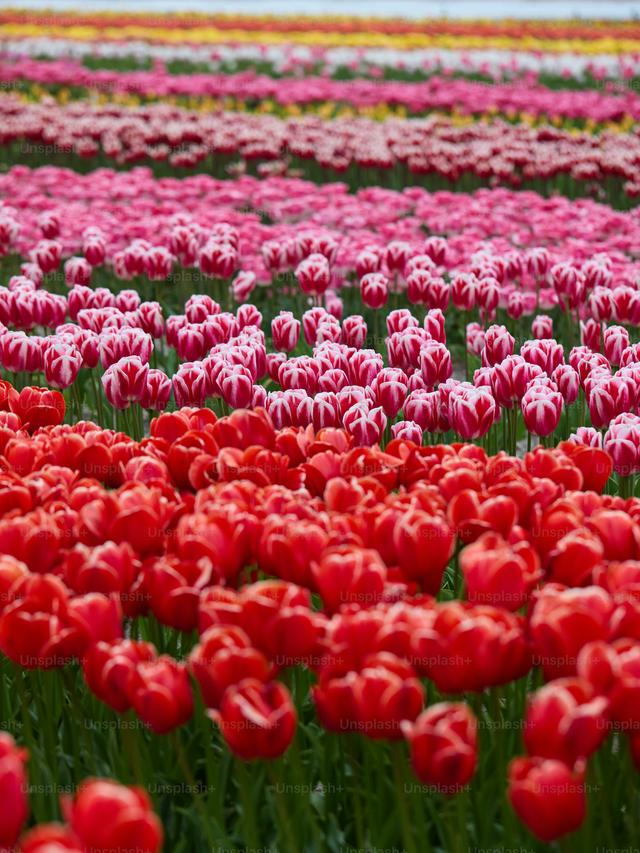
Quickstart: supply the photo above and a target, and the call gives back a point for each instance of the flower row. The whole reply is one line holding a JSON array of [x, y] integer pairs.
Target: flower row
[[393, 151], [608, 39], [607, 69], [438, 93]]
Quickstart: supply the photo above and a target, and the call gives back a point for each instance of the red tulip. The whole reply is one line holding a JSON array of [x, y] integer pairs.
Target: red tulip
[[110, 817], [224, 657], [110, 670], [565, 720], [443, 745], [465, 647], [548, 796], [562, 621], [373, 701], [423, 545], [349, 575], [499, 574], [13, 791], [161, 694], [50, 838], [257, 720], [38, 407]]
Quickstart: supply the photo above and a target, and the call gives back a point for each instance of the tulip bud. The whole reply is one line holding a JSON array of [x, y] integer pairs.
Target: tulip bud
[[124, 382], [443, 742], [161, 694], [313, 274], [131, 824], [548, 796], [14, 785], [374, 290], [285, 331], [541, 409], [257, 720]]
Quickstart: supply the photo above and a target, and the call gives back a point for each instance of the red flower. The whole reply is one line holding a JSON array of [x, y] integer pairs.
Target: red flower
[[161, 693], [465, 647], [173, 586], [350, 575], [566, 720], [547, 795], [443, 744], [257, 720], [110, 817], [225, 657], [110, 669], [13, 788], [38, 407], [374, 701], [562, 621], [50, 838], [423, 545], [499, 574]]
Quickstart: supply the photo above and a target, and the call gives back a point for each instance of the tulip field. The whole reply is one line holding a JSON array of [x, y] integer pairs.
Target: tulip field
[[319, 434]]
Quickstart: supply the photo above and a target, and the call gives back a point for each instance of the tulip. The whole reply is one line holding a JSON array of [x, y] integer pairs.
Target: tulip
[[435, 363], [541, 409], [407, 431], [498, 574], [38, 407], [547, 796], [257, 720], [443, 743], [423, 544], [125, 381], [224, 657], [463, 291], [157, 390], [368, 261], [218, 259], [62, 364], [349, 575], [566, 721], [190, 384], [542, 327], [50, 838], [110, 670], [622, 443], [390, 389], [384, 699], [365, 424], [161, 694], [77, 271], [469, 647], [563, 621], [313, 274], [13, 786], [47, 255], [472, 412], [354, 330], [374, 290], [285, 330], [131, 823], [94, 250]]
